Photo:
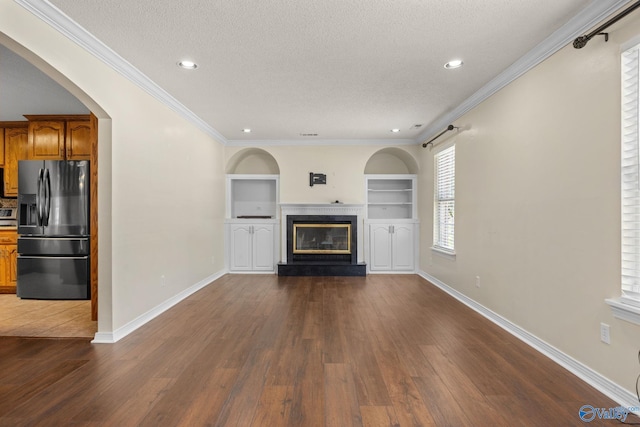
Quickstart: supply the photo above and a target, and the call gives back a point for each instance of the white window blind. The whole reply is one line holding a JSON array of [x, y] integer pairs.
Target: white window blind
[[445, 190], [630, 178]]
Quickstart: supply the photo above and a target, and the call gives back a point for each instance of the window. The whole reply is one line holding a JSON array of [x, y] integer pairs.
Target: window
[[630, 179], [445, 189]]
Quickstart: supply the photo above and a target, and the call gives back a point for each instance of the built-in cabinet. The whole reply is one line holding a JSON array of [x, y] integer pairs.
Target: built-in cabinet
[[59, 137], [8, 261], [15, 148], [252, 223], [251, 246], [391, 223], [391, 247]]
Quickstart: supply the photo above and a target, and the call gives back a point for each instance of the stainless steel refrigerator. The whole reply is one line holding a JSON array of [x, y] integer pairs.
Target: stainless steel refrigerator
[[53, 229]]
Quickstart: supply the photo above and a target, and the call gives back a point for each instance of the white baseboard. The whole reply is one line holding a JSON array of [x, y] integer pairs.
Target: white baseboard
[[604, 385], [118, 334]]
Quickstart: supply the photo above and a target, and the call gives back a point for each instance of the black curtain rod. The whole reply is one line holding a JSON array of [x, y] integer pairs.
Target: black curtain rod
[[581, 41], [450, 127]]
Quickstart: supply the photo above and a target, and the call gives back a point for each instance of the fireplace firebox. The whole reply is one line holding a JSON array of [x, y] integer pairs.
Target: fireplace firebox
[[322, 245], [328, 238]]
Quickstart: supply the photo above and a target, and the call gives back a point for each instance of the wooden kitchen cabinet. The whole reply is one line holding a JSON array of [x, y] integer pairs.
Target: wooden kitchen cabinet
[[1, 147], [78, 140], [46, 139], [59, 137], [14, 139], [8, 261]]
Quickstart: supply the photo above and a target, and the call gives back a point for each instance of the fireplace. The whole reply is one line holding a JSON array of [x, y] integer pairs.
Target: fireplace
[[321, 245], [325, 238]]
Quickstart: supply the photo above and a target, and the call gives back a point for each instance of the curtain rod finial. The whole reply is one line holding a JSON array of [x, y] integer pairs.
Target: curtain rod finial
[[580, 42]]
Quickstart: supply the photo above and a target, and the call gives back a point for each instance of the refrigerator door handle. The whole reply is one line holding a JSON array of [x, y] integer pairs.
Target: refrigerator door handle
[[39, 197], [51, 257], [47, 198]]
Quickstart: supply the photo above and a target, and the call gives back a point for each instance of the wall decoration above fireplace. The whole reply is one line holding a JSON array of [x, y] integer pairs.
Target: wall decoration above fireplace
[[317, 178]]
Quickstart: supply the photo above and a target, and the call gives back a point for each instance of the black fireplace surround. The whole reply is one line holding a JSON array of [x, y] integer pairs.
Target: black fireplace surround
[[312, 251]]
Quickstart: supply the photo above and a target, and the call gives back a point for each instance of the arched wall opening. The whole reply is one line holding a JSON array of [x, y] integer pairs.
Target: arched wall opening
[[104, 175]]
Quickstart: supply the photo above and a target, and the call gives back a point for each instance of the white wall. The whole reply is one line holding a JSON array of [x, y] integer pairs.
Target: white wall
[[538, 205], [161, 180]]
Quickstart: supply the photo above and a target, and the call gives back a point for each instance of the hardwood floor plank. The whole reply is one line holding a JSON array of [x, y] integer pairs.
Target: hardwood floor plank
[[378, 416], [341, 400], [307, 409], [274, 406], [243, 397], [334, 341], [459, 384]]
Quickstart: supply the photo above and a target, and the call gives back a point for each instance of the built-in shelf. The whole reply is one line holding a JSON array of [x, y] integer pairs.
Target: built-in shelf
[[391, 196], [252, 196]]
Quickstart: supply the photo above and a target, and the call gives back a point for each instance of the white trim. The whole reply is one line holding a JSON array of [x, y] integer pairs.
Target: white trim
[[624, 311], [604, 385], [312, 142], [123, 331], [577, 26], [444, 252], [73, 31], [635, 40]]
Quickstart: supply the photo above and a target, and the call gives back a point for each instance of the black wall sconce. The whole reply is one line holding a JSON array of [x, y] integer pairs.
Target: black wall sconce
[[317, 178]]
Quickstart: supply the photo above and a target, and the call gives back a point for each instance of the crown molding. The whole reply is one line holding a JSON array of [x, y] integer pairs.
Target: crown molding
[[578, 25], [311, 142], [73, 31]]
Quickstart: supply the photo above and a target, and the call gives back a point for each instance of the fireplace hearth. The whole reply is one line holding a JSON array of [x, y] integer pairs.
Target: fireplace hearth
[[321, 245]]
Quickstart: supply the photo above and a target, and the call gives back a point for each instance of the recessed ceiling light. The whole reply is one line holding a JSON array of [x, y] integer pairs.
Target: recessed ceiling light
[[246, 130], [188, 65], [395, 130], [456, 63]]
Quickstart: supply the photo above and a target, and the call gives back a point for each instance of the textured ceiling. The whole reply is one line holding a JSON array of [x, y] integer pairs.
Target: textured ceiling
[[342, 69]]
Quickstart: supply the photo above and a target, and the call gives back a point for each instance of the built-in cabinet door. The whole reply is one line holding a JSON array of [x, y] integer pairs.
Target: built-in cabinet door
[[78, 141], [391, 247], [46, 139], [402, 251], [380, 247], [240, 247], [4, 270], [251, 247], [8, 258], [12, 258], [16, 147], [263, 247]]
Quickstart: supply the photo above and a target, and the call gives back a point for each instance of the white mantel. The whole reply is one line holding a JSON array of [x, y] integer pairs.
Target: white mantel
[[321, 209]]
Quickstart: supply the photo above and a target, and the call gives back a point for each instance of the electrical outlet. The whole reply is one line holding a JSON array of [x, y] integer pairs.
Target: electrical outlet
[[162, 281], [477, 281], [605, 333]]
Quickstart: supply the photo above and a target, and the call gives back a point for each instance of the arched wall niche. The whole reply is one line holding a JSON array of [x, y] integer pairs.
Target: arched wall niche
[[253, 161], [391, 160]]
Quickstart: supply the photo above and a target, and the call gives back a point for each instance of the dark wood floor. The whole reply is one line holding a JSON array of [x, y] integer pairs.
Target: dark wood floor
[[276, 351]]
